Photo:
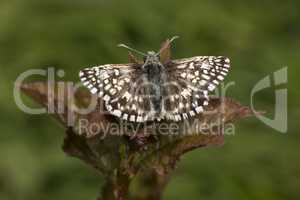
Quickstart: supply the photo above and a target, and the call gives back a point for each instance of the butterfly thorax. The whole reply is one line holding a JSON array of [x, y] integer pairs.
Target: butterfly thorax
[[152, 68], [154, 75]]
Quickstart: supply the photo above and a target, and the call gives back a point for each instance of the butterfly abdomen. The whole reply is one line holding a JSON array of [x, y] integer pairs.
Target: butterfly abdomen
[[155, 76]]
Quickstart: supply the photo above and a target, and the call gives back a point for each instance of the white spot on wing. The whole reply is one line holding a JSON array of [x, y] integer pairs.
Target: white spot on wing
[[107, 87], [125, 116], [215, 82], [199, 109], [104, 75], [132, 118], [191, 65], [185, 116], [211, 87], [127, 80], [94, 90], [205, 66], [117, 113], [190, 76], [117, 72], [203, 82], [112, 91], [106, 98], [183, 75], [220, 77], [223, 73], [205, 76], [121, 82], [182, 66], [181, 105], [139, 119], [192, 113]]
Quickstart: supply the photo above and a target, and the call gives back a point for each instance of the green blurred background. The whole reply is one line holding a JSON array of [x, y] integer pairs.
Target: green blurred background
[[260, 37]]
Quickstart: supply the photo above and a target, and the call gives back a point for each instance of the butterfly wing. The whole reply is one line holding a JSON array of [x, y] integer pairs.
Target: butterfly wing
[[123, 89], [189, 81]]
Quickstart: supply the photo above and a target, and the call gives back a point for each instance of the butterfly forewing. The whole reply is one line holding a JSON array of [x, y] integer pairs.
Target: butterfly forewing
[[204, 72], [123, 89], [104, 79], [193, 78]]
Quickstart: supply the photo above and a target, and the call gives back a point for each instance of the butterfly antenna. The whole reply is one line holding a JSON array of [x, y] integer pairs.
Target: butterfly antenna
[[174, 38], [134, 50], [170, 41]]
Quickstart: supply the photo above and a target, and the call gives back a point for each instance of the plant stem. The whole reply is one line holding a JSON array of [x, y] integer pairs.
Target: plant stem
[[115, 188]]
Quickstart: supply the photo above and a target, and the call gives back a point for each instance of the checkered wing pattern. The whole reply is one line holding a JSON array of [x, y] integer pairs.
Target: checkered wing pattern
[[129, 95], [123, 89], [189, 82]]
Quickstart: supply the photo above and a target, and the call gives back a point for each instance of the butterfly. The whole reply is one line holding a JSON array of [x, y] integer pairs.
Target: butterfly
[[158, 87]]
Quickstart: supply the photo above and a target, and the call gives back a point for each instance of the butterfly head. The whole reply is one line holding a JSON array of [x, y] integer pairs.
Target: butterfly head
[[151, 57]]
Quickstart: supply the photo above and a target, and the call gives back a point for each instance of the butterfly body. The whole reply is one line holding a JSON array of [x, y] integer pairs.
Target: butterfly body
[[157, 88], [155, 76]]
